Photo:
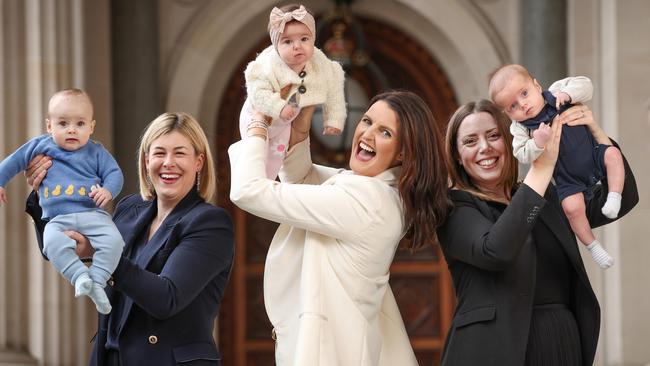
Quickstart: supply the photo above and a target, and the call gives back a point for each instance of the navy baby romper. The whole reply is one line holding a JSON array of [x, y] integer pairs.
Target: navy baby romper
[[581, 161]]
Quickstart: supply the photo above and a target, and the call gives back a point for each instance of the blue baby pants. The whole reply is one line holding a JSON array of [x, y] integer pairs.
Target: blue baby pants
[[100, 230]]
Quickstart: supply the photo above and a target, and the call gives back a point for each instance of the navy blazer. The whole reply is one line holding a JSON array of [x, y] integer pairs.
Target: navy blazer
[[493, 264], [174, 289]]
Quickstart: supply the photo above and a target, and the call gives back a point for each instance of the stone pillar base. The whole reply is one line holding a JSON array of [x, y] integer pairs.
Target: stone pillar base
[[14, 358]]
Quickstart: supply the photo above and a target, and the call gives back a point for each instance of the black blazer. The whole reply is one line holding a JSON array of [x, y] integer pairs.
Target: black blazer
[[175, 287], [493, 265]]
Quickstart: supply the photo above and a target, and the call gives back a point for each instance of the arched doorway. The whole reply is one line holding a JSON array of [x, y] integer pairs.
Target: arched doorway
[[419, 281]]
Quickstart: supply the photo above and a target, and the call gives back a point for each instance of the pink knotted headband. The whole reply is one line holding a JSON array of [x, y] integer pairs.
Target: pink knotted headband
[[278, 19]]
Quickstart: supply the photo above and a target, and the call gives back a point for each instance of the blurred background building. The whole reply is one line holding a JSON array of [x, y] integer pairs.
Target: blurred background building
[[140, 58]]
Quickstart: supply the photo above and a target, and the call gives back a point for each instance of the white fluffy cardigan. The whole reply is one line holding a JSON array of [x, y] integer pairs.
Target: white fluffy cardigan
[[268, 74]]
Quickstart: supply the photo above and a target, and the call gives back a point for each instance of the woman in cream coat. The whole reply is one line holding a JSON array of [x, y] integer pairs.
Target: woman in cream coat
[[326, 276]]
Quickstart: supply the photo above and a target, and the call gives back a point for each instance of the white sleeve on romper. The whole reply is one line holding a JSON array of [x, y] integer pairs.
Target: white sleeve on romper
[[523, 146], [579, 88]]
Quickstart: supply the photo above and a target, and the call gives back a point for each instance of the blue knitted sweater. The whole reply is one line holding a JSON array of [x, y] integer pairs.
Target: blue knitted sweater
[[67, 183]]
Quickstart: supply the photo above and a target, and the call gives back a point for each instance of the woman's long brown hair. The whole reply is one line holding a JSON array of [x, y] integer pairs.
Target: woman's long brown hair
[[423, 182]]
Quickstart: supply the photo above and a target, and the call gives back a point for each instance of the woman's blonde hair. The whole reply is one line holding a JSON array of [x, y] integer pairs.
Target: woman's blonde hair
[[187, 126]]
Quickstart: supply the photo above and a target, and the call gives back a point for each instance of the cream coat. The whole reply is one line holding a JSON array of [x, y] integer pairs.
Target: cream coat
[[268, 74], [326, 276], [524, 148]]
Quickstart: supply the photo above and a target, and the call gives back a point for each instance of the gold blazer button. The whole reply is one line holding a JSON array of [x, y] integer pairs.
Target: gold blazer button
[[153, 339]]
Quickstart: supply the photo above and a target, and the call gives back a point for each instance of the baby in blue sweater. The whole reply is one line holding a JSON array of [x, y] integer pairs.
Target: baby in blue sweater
[[83, 178]]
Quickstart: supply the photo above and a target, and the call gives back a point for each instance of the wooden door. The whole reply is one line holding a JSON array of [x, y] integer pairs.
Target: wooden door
[[420, 281]]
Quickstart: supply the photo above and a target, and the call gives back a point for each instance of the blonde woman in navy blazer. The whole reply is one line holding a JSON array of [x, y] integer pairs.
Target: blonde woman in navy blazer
[[168, 286], [524, 297]]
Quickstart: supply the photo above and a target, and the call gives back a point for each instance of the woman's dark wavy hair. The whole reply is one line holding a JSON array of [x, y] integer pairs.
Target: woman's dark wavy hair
[[423, 181]]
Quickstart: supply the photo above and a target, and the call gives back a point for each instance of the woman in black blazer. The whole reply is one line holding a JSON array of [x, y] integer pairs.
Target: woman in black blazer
[[524, 297], [168, 286]]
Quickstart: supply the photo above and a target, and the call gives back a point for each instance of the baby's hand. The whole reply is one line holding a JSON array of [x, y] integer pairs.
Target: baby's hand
[[3, 196], [541, 135], [100, 195], [561, 98], [288, 112], [328, 130]]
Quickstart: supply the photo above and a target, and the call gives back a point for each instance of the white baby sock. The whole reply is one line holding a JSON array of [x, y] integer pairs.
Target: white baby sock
[[82, 285], [100, 299], [612, 205], [600, 255]]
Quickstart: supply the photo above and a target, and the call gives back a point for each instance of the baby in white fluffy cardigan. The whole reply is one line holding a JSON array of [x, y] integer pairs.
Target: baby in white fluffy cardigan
[[292, 60]]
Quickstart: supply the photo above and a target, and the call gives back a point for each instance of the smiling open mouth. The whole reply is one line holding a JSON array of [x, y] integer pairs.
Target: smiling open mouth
[[486, 163], [365, 152], [169, 177]]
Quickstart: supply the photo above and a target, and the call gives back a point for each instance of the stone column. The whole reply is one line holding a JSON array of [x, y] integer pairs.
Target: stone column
[[136, 90], [13, 225], [543, 43], [544, 39], [45, 47]]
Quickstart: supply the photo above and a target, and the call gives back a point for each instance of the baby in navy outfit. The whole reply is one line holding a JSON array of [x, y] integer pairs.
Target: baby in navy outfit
[[582, 161]]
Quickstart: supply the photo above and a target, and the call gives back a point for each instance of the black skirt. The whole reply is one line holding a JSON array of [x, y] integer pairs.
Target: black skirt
[[553, 339]]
